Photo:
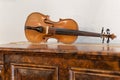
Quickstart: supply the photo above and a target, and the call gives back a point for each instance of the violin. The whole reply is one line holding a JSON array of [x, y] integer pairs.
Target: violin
[[39, 28]]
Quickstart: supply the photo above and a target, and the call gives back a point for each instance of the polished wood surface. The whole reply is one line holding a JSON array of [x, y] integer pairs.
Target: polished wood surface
[[26, 61]]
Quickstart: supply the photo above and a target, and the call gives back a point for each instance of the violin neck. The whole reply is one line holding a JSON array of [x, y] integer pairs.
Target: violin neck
[[76, 33], [69, 32]]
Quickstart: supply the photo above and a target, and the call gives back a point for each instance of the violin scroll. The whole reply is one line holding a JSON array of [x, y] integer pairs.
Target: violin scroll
[[107, 35]]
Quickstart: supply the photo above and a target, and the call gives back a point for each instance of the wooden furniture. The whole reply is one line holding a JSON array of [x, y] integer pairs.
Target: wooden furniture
[[25, 61]]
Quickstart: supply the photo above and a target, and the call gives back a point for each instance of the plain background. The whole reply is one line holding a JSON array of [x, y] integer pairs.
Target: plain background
[[91, 15]]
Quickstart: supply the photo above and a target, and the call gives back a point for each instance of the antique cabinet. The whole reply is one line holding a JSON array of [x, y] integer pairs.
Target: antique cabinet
[[25, 61]]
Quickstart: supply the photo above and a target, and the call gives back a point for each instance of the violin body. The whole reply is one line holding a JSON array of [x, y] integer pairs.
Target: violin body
[[37, 19]]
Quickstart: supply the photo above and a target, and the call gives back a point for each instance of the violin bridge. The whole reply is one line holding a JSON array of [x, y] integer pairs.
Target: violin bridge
[[50, 31], [47, 28]]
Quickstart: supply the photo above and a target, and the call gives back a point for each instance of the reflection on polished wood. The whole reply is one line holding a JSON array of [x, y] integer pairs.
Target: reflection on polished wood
[[26, 61]]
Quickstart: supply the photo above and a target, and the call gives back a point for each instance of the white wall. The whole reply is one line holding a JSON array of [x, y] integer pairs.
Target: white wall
[[91, 15]]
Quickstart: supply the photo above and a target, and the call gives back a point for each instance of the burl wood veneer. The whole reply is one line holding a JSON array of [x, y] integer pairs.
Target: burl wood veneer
[[59, 62]]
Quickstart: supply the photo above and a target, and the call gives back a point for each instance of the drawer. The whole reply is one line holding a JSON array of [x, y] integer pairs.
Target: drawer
[[92, 74], [33, 72]]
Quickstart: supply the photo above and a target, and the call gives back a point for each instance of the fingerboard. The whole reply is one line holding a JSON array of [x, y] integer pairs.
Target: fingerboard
[[76, 33]]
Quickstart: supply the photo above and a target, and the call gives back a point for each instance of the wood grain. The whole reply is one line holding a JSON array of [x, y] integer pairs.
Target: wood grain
[[59, 62]]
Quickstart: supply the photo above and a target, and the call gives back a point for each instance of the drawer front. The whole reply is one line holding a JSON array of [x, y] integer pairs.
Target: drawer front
[[33, 72], [90, 74]]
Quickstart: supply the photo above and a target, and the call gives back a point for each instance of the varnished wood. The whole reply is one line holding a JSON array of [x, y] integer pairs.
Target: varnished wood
[[26, 61], [37, 19], [39, 28]]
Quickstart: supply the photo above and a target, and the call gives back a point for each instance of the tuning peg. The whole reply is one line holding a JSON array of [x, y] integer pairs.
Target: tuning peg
[[108, 40], [103, 38], [102, 30], [108, 33], [102, 33]]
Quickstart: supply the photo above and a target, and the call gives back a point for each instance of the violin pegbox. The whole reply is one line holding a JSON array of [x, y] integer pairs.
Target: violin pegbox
[[107, 35]]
